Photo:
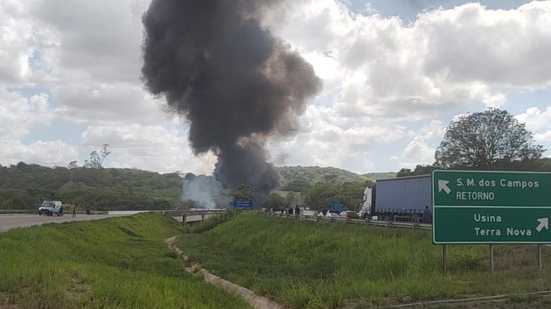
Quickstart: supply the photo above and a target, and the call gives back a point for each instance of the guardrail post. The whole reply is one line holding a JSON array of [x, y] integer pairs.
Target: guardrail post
[[539, 257], [491, 259], [444, 259]]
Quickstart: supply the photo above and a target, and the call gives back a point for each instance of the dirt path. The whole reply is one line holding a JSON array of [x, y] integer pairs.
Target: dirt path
[[249, 296]]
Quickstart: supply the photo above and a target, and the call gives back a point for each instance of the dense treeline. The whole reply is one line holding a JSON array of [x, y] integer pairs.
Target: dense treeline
[[535, 165], [303, 178], [318, 187], [25, 186], [349, 193]]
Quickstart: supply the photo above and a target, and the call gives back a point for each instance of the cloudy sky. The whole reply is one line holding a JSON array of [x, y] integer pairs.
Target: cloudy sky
[[395, 73]]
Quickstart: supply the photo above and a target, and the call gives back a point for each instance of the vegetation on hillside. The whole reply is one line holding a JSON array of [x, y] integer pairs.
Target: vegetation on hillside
[[377, 176], [302, 178], [25, 186], [307, 264], [535, 165], [350, 194], [113, 263]]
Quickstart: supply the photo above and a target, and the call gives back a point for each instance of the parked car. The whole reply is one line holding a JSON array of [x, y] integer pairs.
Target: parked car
[[51, 208]]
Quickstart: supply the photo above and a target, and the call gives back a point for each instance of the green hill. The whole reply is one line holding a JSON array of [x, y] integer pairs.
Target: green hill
[[25, 186], [377, 176], [302, 178]]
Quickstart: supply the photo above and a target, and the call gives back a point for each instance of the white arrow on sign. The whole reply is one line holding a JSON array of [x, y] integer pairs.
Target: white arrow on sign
[[544, 224], [443, 185]]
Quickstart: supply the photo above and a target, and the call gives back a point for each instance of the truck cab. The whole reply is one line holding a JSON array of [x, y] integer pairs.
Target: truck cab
[[51, 208], [365, 206]]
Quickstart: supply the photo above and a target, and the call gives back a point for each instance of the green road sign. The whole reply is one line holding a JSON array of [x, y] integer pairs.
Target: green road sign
[[491, 207]]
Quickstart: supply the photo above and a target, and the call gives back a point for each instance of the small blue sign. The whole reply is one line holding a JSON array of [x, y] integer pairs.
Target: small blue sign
[[337, 207], [243, 204]]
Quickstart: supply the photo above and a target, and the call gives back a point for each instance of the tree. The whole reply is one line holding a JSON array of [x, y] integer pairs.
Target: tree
[[243, 192], [70, 166], [297, 185], [275, 201], [419, 170], [321, 195], [482, 140], [96, 159]]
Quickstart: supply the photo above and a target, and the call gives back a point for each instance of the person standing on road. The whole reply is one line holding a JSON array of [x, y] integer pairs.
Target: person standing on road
[[427, 216], [74, 211]]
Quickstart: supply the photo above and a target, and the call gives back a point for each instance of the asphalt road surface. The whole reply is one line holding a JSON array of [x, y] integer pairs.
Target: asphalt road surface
[[8, 222]]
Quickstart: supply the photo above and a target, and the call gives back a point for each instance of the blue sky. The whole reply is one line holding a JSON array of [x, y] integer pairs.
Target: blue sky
[[395, 73]]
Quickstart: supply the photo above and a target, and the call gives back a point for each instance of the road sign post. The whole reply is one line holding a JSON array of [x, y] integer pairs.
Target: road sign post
[[491, 207]]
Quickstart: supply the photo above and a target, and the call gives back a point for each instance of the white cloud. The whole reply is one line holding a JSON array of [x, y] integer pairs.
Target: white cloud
[[421, 148], [327, 139], [382, 79], [434, 130], [98, 40], [417, 152], [21, 39], [20, 115], [110, 102], [537, 122], [50, 153], [496, 47], [536, 119], [150, 147], [445, 59], [495, 101], [543, 137]]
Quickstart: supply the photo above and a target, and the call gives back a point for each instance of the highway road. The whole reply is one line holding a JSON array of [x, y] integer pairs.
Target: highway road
[[8, 222]]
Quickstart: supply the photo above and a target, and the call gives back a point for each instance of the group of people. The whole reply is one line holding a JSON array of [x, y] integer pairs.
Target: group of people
[[297, 210], [75, 211]]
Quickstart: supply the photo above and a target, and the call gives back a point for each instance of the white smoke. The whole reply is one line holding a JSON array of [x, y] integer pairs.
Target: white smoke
[[205, 192]]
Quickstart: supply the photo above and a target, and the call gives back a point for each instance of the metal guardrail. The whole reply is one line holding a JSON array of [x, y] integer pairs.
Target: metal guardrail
[[192, 215], [395, 224], [181, 212], [19, 211], [198, 215]]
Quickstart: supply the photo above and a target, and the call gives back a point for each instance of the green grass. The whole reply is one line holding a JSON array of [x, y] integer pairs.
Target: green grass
[[329, 265], [114, 263]]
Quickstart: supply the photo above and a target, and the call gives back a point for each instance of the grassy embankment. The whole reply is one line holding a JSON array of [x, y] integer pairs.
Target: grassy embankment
[[114, 263], [327, 265]]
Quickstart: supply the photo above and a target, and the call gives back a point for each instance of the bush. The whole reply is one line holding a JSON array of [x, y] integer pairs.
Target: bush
[[212, 222]]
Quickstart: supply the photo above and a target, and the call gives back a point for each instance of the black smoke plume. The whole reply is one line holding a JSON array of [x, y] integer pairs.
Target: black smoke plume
[[230, 78]]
